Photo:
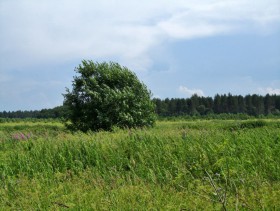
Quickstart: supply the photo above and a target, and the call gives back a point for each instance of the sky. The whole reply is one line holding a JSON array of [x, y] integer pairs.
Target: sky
[[177, 48]]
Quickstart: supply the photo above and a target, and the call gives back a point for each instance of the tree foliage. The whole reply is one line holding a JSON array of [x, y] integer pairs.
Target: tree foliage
[[106, 95]]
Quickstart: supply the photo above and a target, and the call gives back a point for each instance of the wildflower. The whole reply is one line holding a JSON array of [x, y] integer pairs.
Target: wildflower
[[29, 135], [15, 136], [22, 136]]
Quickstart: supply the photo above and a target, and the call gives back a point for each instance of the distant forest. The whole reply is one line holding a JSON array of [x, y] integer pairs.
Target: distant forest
[[253, 105]]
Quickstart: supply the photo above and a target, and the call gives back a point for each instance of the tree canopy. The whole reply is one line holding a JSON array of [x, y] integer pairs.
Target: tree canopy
[[107, 95]]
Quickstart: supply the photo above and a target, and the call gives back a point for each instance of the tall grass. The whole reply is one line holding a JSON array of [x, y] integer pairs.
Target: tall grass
[[176, 165]]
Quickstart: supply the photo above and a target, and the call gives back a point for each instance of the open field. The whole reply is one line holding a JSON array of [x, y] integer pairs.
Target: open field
[[178, 165]]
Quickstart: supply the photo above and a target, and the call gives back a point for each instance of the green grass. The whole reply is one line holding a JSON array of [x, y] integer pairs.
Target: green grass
[[201, 164]]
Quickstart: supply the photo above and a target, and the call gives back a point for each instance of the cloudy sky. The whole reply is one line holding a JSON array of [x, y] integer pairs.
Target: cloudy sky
[[177, 48]]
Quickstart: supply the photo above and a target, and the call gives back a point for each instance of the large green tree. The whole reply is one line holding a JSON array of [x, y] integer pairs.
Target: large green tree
[[106, 95]]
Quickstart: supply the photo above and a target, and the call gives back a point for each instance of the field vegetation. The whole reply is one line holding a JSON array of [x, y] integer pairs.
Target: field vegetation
[[176, 165]]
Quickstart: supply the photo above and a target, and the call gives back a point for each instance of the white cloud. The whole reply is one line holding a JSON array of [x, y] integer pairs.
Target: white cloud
[[51, 31], [190, 92], [269, 90], [208, 18]]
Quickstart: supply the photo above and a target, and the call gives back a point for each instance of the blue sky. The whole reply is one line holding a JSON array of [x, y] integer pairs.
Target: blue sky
[[177, 48]]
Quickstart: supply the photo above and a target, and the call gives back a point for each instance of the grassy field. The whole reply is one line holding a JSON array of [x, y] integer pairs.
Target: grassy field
[[178, 165]]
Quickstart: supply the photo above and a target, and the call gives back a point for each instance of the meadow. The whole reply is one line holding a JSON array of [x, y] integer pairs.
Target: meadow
[[177, 165]]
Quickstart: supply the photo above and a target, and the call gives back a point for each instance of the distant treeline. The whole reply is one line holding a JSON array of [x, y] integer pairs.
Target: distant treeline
[[253, 105], [57, 112]]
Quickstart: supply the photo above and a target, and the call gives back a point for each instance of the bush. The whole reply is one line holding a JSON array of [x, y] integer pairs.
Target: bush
[[253, 124], [107, 95]]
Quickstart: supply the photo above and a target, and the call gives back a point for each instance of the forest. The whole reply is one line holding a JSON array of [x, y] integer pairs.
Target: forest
[[252, 105]]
